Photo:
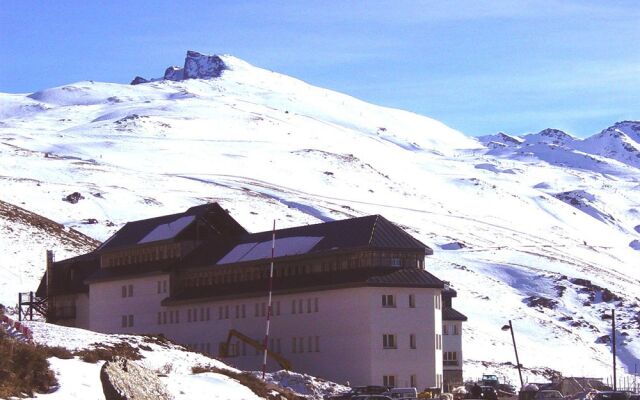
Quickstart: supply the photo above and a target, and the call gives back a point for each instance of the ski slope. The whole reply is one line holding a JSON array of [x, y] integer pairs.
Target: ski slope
[[536, 216]]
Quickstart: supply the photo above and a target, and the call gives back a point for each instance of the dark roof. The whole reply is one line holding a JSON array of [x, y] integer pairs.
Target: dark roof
[[132, 233], [451, 314], [69, 275], [374, 277], [372, 231], [408, 277]]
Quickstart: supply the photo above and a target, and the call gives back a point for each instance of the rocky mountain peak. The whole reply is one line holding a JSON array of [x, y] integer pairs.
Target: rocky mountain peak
[[627, 128], [549, 136], [196, 66]]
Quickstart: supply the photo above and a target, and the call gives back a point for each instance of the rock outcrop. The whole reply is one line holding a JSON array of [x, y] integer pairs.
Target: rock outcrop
[[196, 66], [124, 379], [202, 66], [138, 80]]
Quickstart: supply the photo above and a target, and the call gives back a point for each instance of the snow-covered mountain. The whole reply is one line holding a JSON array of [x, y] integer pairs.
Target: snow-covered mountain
[[546, 226]]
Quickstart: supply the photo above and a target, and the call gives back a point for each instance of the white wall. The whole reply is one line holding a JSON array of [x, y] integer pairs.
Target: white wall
[[453, 342], [107, 306], [349, 324], [424, 361]]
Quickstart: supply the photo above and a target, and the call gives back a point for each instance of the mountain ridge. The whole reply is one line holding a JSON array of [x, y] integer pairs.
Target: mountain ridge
[[533, 217]]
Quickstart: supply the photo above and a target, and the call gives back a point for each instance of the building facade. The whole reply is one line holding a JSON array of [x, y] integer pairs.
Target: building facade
[[352, 299]]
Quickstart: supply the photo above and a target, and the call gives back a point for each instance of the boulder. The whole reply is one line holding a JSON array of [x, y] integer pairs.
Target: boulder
[[73, 198], [124, 379]]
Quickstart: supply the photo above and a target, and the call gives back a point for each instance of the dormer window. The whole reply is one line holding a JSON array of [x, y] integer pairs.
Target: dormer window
[[395, 262]]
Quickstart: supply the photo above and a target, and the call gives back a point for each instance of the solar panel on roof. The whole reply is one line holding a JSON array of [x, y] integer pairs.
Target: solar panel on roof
[[283, 247], [168, 230]]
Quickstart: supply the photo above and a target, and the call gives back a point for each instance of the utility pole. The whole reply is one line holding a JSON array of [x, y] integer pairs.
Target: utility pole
[[510, 327], [613, 337]]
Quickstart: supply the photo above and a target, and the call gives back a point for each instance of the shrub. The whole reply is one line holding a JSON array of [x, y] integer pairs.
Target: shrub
[[108, 353], [24, 369]]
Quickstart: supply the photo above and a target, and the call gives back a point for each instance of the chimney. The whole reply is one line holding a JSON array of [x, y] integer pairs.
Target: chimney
[[49, 272]]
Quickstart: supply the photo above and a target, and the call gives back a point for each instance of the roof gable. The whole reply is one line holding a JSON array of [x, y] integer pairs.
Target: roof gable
[[169, 227]]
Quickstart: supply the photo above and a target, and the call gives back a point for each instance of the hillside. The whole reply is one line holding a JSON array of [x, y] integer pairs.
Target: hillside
[[545, 229], [25, 238]]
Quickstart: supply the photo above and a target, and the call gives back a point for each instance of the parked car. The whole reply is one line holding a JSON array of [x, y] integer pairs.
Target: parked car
[[402, 393], [611, 395], [358, 391], [489, 393], [371, 397], [548, 395]]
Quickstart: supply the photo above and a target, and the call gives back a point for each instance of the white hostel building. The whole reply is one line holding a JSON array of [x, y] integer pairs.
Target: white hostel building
[[352, 299]]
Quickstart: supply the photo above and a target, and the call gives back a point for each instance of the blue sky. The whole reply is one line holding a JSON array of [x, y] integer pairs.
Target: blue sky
[[478, 66]]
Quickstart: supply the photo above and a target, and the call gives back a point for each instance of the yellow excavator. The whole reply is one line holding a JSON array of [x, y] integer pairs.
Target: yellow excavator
[[224, 348]]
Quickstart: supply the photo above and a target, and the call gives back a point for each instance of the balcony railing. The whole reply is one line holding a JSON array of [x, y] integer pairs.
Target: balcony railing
[[450, 363]]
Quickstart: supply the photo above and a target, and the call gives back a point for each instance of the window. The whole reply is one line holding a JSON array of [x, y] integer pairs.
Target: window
[[438, 341], [436, 301], [308, 306], [130, 290], [226, 312], [412, 301], [412, 341], [124, 321], [293, 345], [244, 311], [315, 305], [395, 262], [389, 380], [388, 300], [445, 329], [237, 311], [293, 306], [456, 331], [300, 306], [130, 320], [413, 381], [388, 341], [450, 358], [124, 291]]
